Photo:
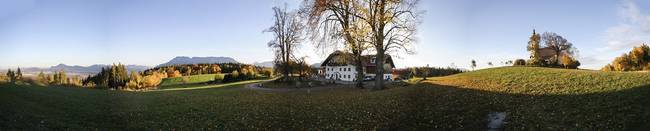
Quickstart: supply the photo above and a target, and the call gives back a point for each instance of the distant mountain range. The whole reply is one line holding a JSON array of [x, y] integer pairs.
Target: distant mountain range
[[264, 64], [179, 60], [80, 70], [96, 68]]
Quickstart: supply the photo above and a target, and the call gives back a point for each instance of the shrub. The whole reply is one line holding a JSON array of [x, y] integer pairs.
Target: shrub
[[229, 78], [519, 62], [219, 77], [268, 72], [154, 79]]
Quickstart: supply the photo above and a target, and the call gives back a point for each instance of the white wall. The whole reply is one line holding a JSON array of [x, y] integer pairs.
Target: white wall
[[344, 73]]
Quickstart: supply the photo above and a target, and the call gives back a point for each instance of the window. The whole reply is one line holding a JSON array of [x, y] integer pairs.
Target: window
[[340, 69], [372, 60]]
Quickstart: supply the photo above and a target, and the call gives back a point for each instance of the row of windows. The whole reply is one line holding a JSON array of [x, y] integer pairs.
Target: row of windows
[[340, 69], [337, 75]]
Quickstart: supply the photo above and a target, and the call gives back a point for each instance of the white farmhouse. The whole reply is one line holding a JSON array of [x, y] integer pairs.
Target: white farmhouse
[[340, 66]]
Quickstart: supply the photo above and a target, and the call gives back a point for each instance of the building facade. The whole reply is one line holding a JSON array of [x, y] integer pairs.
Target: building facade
[[341, 66]]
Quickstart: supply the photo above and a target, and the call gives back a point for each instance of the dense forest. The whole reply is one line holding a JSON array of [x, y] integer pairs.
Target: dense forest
[[411, 72]]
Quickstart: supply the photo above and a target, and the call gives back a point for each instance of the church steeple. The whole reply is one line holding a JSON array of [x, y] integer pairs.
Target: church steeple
[[533, 31]]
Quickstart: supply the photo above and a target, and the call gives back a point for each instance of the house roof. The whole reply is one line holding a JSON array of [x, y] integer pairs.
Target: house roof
[[343, 58], [548, 52]]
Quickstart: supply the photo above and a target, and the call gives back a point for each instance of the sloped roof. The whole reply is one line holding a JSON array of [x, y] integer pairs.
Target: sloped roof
[[343, 58]]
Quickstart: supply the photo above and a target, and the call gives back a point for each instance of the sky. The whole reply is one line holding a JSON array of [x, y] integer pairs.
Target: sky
[[43, 33]]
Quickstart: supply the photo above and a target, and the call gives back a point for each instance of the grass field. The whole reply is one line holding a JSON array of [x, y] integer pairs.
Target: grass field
[[535, 99], [552, 99], [193, 79]]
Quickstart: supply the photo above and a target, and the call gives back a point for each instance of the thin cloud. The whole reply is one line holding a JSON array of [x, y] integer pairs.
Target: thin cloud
[[633, 29]]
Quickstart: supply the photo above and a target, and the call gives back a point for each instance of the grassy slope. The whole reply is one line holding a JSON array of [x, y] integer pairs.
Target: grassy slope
[[426, 106], [546, 81], [188, 79], [554, 99]]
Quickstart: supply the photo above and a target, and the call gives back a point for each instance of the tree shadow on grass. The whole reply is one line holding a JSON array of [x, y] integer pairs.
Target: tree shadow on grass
[[422, 106], [433, 106]]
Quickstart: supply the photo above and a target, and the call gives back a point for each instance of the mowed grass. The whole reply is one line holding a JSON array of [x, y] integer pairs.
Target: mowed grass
[[193, 79], [458, 102]]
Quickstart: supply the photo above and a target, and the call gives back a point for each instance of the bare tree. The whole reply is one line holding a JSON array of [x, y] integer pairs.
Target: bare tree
[[288, 33], [558, 44], [393, 26], [333, 20]]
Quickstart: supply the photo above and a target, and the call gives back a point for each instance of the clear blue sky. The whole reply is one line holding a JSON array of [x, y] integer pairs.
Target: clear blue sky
[[43, 33]]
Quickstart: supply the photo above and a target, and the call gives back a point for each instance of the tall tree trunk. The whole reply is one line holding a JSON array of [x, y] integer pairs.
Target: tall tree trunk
[[379, 62], [285, 56], [379, 74], [360, 72], [286, 69]]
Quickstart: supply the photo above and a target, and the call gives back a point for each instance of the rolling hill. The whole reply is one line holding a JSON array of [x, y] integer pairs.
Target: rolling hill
[[547, 99], [179, 60]]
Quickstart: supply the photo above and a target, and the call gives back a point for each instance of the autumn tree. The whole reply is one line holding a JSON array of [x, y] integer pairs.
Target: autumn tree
[[135, 80], [392, 26], [334, 22], [288, 31], [558, 44], [636, 60], [533, 49], [569, 62], [61, 77], [215, 69], [42, 78]]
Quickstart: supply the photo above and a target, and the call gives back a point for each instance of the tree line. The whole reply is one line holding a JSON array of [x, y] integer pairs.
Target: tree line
[[12, 76], [117, 77], [636, 60], [56, 78], [412, 72]]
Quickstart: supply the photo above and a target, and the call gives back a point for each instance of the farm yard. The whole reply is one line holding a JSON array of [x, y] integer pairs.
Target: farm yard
[[599, 100]]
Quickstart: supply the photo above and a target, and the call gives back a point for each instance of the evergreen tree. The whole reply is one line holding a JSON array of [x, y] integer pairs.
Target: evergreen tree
[[19, 74], [55, 79], [473, 64]]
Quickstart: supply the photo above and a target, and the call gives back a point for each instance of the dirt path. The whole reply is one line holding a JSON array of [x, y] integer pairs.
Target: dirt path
[[257, 86]]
